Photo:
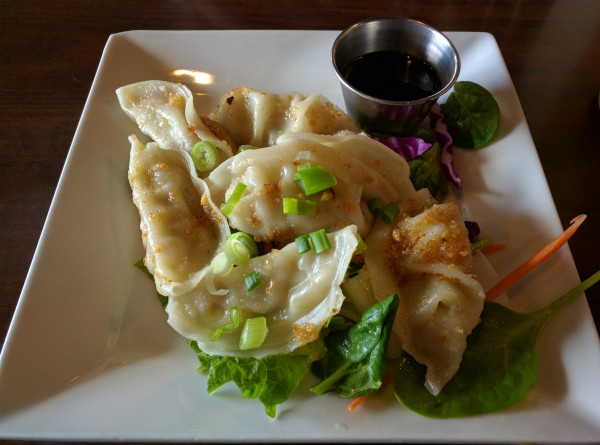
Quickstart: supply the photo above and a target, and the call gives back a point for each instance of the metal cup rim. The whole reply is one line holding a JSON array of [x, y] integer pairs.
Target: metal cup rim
[[433, 97]]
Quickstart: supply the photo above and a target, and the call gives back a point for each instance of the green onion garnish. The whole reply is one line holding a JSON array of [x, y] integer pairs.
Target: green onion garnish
[[247, 240], [361, 247], [252, 280], [303, 166], [221, 265], [294, 206], [389, 213], [231, 325], [236, 251], [313, 180], [205, 156], [375, 206], [480, 244], [386, 213], [303, 243], [245, 147], [228, 206], [254, 333], [319, 240]]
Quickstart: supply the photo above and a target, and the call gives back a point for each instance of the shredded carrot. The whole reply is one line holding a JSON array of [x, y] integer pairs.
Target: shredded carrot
[[356, 402], [493, 248], [518, 273], [387, 378]]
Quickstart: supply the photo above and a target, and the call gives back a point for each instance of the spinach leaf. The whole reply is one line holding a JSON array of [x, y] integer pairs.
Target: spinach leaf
[[498, 368], [426, 172], [271, 379], [354, 362], [472, 115]]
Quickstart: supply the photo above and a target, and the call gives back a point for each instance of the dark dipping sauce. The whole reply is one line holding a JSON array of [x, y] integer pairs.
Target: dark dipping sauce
[[392, 75]]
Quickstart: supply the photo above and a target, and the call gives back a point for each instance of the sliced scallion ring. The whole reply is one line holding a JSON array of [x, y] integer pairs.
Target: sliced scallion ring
[[389, 213], [236, 251], [221, 265], [362, 246], [254, 333], [375, 206], [295, 206], [314, 179], [247, 240], [303, 243], [228, 206], [303, 166], [205, 156], [252, 280], [231, 325], [319, 240]]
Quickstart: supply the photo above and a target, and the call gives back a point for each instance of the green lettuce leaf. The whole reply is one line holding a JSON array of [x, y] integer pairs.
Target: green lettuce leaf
[[271, 379]]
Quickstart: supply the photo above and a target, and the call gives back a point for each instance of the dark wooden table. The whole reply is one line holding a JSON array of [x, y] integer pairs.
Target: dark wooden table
[[49, 52]]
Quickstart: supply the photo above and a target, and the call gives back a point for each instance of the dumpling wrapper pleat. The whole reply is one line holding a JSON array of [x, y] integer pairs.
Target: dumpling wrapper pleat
[[297, 294], [181, 228], [425, 257], [258, 118], [269, 172], [165, 112]]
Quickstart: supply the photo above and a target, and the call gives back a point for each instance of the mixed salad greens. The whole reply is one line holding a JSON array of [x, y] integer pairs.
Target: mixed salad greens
[[351, 357]]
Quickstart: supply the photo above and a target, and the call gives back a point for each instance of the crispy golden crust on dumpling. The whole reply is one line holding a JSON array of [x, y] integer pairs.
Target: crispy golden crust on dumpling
[[425, 258], [181, 228]]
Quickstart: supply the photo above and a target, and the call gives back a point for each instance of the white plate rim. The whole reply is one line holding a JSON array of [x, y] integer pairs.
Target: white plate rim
[[573, 327]]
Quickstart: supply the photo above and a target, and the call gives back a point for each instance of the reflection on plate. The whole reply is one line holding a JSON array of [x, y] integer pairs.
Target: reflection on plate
[[89, 355]]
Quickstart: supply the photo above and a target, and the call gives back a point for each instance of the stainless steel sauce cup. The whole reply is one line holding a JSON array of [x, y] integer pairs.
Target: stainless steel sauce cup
[[408, 36]]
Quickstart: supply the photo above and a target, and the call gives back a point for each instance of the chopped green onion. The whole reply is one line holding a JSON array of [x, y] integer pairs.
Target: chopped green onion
[[247, 240], [386, 213], [254, 333], [319, 240], [313, 180], [361, 247], [375, 206], [246, 147], [303, 243], [205, 156], [303, 166], [231, 325], [221, 265], [252, 280], [294, 206], [228, 206], [480, 244], [236, 251], [389, 213]]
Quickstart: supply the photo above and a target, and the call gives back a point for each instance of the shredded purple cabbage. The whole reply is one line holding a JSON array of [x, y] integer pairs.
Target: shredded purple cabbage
[[408, 147], [411, 147], [437, 124], [473, 230]]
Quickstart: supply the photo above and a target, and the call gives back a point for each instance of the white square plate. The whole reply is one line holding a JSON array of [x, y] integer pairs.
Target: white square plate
[[89, 355]]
